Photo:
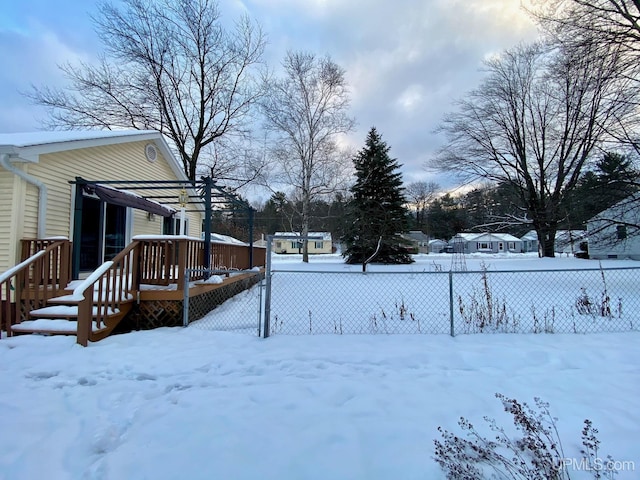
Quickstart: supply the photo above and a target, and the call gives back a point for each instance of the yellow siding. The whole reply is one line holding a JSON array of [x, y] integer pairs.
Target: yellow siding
[[19, 200], [112, 162]]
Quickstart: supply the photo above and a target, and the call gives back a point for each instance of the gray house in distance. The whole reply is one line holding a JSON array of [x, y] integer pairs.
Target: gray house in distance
[[566, 241], [530, 241], [487, 243], [614, 232], [418, 240]]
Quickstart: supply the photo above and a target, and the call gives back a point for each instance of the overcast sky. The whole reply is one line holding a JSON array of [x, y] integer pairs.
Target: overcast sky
[[405, 60]]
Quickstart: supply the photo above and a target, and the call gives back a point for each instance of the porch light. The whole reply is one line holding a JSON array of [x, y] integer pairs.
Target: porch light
[[183, 199]]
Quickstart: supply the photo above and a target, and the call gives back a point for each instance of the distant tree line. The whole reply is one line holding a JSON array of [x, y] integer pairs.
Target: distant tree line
[[441, 215]]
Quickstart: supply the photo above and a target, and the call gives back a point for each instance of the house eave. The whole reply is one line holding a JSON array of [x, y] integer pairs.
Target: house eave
[[28, 147]]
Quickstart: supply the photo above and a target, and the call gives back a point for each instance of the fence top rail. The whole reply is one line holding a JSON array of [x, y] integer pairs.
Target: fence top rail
[[214, 271], [446, 272]]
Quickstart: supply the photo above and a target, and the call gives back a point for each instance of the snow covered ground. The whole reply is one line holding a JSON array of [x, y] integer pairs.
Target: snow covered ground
[[188, 403]]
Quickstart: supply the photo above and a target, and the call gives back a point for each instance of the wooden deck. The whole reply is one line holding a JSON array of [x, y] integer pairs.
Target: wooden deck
[[142, 287]]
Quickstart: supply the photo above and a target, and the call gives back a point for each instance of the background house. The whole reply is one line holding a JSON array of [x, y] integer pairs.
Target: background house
[[530, 241], [486, 243], [418, 241], [566, 241], [39, 201], [437, 246], [325, 245], [614, 233]]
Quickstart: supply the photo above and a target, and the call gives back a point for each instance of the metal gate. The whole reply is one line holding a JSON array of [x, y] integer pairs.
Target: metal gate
[[233, 308]]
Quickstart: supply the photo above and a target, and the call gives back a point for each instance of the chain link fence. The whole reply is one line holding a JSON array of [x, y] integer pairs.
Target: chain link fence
[[228, 300], [537, 301]]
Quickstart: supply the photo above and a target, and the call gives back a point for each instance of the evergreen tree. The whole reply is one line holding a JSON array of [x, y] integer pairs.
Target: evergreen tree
[[377, 211], [614, 179]]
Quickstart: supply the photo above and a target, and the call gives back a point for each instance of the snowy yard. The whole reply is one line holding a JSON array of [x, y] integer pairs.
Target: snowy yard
[[188, 403]]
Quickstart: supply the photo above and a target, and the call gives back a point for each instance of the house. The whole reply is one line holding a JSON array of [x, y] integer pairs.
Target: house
[[417, 241], [486, 243], [566, 241], [116, 207], [36, 174], [530, 241], [614, 232], [437, 246], [324, 243]]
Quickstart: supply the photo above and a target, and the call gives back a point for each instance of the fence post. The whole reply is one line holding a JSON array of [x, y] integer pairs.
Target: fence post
[[267, 294], [261, 287], [452, 332], [185, 298]]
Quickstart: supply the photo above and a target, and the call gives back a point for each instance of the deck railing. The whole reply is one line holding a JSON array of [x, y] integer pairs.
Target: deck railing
[[163, 260], [43, 273]]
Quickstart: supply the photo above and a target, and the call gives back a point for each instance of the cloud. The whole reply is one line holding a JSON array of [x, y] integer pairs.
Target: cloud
[[31, 53], [406, 61]]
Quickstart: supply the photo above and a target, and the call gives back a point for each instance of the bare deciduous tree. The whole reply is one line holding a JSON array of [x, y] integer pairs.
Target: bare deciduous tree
[[421, 194], [535, 122], [609, 21], [171, 66], [306, 111]]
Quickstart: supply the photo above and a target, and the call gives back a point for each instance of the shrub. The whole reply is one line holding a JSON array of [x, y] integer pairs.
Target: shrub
[[536, 455]]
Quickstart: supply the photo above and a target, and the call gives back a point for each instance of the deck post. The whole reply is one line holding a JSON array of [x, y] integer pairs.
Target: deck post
[[77, 228], [251, 211], [207, 224], [85, 320]]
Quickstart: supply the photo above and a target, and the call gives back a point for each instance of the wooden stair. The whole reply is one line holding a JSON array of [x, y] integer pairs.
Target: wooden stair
[[60, 317]]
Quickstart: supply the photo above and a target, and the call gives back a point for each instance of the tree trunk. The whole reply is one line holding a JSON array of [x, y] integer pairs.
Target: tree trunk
[[546, 240], [305, 227]]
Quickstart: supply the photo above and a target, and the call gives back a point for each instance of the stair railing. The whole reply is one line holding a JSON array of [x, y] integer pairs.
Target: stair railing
[[101, 294], [44, 274]]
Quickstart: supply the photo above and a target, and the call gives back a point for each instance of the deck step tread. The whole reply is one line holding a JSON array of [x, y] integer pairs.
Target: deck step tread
[[73, 300], [66, 311], [50, 326]]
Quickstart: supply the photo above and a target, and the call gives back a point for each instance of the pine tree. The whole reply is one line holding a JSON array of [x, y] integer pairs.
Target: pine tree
[[377, 212]]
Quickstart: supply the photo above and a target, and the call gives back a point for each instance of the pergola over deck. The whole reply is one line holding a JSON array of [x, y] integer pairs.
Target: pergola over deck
[[201, 195]]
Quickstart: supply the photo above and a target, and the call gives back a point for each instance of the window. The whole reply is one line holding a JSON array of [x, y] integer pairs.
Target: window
[[483, 246], [278, 245], [319, 245], [296, 244], [171, 226], [511, 245], [621, 231]]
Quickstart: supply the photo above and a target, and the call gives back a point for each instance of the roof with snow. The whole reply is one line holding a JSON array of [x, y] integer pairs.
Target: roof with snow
[[487, 237], [416, 236], [28, 146], [30, 139], [561, 235], [324, 235]]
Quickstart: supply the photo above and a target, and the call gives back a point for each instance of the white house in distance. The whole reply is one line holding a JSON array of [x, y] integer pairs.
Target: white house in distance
[[614, 232], [486, 243], [323, 245]]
